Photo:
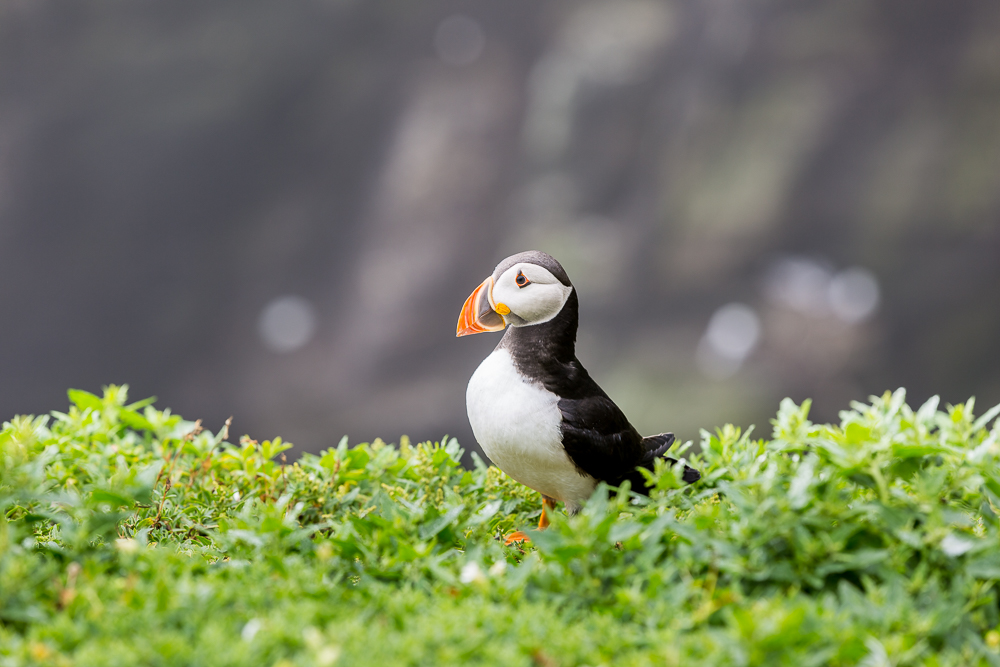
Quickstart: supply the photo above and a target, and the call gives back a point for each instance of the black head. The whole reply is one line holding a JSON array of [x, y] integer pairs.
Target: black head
[[526, 289], [537, 257]]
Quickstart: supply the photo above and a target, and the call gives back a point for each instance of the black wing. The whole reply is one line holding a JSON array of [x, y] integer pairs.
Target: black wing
[[602, 443], [595, 433], [598, 438], [655, 447]]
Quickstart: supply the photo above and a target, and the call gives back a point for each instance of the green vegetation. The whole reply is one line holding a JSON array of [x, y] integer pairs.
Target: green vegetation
[[129, 536]]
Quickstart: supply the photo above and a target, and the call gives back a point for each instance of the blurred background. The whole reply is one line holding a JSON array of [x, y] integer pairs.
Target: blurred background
[[275, 210]]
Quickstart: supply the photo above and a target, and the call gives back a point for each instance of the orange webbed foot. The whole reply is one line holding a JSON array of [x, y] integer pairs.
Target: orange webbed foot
[[517, 537]]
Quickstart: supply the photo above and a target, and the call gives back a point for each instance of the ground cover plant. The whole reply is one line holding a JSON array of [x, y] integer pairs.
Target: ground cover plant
[[129, 536]]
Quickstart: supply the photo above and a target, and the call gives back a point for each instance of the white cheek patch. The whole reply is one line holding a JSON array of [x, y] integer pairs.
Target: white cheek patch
[[544, 302], [535, 303]]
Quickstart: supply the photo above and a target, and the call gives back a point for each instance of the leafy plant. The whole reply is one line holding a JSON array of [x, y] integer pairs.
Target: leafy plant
[[131, 536]]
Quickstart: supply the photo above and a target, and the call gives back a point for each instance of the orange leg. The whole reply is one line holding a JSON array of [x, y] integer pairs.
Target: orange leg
[[547, 503], [543, 523]]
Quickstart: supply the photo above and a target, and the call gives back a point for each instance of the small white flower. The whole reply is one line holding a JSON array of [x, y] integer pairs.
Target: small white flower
[[327, 655], [251, 629], [313, 637], [953, 545], [126, 545], [470, 573], [877, 655], [498, 568]]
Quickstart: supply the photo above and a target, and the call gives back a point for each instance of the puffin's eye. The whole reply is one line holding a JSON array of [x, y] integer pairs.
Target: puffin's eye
[[522, 280]]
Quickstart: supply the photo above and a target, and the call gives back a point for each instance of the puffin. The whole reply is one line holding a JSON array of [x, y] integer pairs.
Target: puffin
[[533, 407]]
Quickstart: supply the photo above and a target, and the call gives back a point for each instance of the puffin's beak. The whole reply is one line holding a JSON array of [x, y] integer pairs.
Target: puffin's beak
[[478, 314]]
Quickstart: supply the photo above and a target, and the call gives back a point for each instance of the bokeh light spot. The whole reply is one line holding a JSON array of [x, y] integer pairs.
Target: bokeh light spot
[[799, 283], [854, 294], [286, 324], [732, 334]]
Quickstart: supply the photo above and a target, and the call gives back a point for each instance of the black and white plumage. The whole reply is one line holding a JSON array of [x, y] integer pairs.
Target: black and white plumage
[[536, 412]]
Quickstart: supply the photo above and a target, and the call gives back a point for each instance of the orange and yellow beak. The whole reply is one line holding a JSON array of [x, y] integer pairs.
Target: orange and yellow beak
[[478, 313]]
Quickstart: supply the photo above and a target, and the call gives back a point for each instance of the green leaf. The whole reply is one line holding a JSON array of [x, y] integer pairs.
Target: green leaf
[[113, 498], [984, 567], [84, 399], [434, 527], [356, 459], [856, 433], [906, 451], [135, 421], [139, 405], [985, 419], [928, 410]]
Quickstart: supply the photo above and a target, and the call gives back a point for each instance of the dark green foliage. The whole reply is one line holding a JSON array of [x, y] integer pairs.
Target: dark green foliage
[[131, 537]]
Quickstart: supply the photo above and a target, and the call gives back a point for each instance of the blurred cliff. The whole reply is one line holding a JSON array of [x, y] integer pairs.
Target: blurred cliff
[[275, 210]]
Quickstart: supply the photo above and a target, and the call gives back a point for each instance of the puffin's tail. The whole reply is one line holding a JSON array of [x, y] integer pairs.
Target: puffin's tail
[[655, 446]]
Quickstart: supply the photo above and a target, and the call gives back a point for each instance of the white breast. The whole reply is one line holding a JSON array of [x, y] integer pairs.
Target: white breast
[[517, 424]]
